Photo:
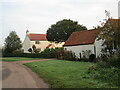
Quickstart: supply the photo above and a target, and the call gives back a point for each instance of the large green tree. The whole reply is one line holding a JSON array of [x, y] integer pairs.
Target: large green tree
[[12, 43], [61, 31]]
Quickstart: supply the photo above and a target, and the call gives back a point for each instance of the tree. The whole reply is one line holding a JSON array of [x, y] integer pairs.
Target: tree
[[34, 48], [61, 31], [12, 43], [30, 50], [0, 52], [110, 32]]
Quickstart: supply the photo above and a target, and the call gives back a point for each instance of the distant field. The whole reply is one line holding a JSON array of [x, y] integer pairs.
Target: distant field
[[17, 58], [66, 74]]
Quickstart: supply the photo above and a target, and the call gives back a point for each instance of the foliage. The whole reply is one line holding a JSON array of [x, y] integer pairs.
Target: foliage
[[51, 52], [61, 31], [86, 53], [29, 55], [37, 50], [0, 52], [107, 69], [66, 74], [110, 32], [92, 58], [12, 43], [34, 48], [106, 74], [47, 53], [18, 51], [108, 62], [30, 50], [66, 55], [108, 65]]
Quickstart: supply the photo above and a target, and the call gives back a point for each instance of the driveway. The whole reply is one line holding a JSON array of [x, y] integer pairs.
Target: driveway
[[16, 75]]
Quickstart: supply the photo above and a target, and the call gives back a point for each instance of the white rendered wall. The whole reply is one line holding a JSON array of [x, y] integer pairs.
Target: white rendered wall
[[79, 48], [95, 48], [99, 47], [59, 45], [41, 46], [26, 45]]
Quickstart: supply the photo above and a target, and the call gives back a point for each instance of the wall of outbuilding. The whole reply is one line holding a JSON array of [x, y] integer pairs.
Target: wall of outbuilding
[[94, 48], [79, 48], [99, 46]]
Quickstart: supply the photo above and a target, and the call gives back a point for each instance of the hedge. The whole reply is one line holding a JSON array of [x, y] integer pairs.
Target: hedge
[[47, 53], [30, 55]]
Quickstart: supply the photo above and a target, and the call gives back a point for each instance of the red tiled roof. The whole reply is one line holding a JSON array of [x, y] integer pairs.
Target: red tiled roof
[[82, 37], [50, 45], [39, 37], [88, 36]]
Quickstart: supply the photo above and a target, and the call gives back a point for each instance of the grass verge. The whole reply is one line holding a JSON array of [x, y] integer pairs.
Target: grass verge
[[66, 74]]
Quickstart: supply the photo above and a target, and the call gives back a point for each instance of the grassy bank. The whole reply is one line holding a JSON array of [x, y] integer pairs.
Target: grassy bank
[[66, 74]]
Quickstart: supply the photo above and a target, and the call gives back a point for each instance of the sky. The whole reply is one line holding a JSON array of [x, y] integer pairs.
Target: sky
[[38, 15]]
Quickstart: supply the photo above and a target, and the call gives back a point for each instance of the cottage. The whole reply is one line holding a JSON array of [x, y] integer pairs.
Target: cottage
[[38, 40]]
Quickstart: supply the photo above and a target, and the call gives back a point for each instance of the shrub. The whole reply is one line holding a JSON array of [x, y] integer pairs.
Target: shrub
[[109, 74], [51, 52], [21, 55], [108, 62], [86, 54], [107, 69], [114, 61], [18, 51], [30, 50], [92, 58], [66, 55], [47, 53], [37, 50]]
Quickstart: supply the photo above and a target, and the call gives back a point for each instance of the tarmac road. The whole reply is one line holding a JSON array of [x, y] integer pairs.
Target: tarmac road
[[16, 75]]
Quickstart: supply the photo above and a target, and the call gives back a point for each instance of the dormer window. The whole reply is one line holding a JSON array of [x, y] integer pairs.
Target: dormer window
[[37, 42]]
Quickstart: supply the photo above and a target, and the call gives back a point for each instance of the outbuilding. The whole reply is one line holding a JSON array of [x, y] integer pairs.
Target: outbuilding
[[84, 42]]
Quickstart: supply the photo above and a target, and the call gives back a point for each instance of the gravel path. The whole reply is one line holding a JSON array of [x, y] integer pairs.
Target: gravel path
[[16, 75]]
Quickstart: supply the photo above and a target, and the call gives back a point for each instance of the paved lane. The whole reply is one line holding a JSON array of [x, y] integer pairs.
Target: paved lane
[[16, 75]]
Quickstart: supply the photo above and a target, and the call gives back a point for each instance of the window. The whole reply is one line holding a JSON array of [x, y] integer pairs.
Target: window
[[37, 42]]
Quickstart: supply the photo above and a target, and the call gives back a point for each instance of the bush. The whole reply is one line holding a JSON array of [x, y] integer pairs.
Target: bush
[[86, 54], [92, 58], [30, 50], [47, 53], [30, 55], [114, 61], [107, 69], [108, 62], [18, 51], [66, 55], [109, 74], [37, 50], [51, 53]]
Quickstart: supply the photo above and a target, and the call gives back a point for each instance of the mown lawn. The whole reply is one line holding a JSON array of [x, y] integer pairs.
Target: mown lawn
[[18, 58], [66, 74]]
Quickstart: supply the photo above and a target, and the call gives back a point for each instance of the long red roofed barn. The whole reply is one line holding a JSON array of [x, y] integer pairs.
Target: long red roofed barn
[[81, 41]]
